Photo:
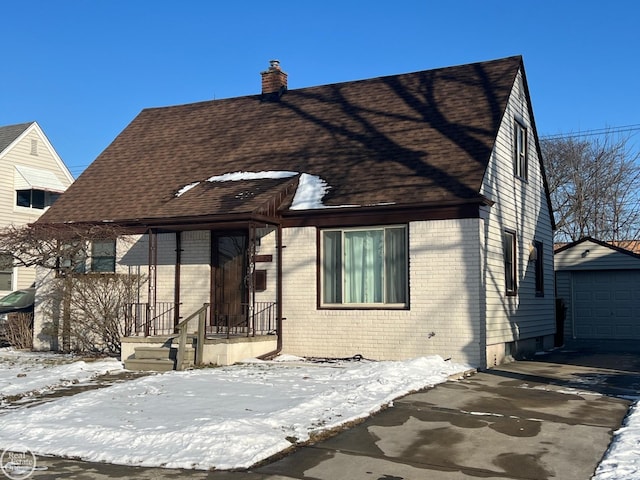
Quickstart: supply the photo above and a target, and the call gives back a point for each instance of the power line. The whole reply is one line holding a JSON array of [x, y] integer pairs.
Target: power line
[[594, 132]]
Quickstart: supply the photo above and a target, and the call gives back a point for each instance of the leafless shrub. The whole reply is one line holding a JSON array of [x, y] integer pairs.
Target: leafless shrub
[[18, 330]]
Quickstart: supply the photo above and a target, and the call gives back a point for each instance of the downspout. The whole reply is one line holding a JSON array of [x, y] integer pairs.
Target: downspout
[[176, 291], [279, 318]]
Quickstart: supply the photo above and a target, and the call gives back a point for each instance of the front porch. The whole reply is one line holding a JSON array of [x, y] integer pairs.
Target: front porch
[[203, 338]]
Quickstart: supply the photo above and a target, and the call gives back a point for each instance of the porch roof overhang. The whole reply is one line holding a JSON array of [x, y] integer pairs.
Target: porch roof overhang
[[197, 222], [320, 217]]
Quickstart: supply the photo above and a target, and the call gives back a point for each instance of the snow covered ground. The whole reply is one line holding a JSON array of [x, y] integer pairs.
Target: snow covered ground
[[622, 459], [27, 373], [223, 418]]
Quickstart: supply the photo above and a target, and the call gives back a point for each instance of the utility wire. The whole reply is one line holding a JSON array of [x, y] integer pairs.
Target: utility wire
[[594, 132]]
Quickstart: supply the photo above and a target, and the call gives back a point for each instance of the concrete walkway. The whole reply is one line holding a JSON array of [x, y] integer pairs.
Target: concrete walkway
[[548, 418]]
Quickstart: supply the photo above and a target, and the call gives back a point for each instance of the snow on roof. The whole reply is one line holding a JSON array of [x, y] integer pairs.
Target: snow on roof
[[311, 188]]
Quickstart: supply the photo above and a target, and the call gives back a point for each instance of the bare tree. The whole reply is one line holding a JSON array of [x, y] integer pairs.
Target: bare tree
[[63, 249], [594, 185]]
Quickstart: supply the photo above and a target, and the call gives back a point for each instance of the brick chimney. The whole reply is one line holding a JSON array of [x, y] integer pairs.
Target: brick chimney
[[274, 80]]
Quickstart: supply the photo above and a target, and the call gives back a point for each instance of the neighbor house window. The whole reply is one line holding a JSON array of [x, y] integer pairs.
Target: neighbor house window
[[6, 271], [33, 198], [510, 267], [539, 268], [103, 256], [520, 150], [365, 266]]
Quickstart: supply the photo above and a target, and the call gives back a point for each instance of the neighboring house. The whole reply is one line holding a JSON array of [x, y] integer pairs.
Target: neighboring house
[[32, 177], [392, 217], [598, 284]]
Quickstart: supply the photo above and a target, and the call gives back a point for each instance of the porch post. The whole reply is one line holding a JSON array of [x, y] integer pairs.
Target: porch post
[[250, 281], [279, 318], [176, 294], [153, 264]]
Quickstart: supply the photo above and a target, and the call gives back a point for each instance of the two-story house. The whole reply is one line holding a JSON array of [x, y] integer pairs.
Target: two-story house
[[32, 177]]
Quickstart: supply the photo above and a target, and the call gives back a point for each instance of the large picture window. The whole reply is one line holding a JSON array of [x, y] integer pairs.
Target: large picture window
[[365, 266]]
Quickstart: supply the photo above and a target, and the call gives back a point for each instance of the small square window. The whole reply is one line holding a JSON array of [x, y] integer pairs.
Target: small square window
[[103, 256]]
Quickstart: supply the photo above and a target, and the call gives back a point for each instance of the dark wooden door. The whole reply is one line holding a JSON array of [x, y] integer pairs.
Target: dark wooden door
[[230, 286]]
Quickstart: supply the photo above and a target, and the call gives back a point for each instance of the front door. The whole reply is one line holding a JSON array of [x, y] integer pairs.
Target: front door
[[230, 295]]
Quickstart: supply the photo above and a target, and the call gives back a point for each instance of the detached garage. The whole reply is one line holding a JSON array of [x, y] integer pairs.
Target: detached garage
[[599, 286]]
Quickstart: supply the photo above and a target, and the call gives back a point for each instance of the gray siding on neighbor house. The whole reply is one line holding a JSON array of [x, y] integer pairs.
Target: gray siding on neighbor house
[[589, 255], [599, 287]]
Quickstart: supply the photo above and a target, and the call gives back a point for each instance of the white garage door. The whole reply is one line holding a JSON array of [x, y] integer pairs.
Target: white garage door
[[606, 304]]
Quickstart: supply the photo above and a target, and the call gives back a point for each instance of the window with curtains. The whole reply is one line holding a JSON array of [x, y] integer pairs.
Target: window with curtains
[[365, 266]]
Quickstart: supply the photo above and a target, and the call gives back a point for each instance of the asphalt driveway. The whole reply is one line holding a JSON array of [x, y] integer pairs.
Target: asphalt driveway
[[548, 417]]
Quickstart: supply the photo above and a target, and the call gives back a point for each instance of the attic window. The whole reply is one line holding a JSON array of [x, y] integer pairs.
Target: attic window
[[520, 150]]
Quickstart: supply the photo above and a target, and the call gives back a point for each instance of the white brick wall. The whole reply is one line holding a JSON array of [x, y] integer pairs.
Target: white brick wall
[[444, 299]]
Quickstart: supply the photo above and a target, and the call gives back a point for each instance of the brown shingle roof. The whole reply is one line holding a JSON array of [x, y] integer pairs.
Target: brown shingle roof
[[10, 132], [423, 137]]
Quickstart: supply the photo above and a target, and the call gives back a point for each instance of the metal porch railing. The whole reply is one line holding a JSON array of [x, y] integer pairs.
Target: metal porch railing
[[248, 320], [140, 320]]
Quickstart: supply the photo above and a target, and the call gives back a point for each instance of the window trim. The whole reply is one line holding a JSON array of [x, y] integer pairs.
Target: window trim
[[321, 304], [8, 271], [48, 198], [510, 271], [98, 258], [520, 150]]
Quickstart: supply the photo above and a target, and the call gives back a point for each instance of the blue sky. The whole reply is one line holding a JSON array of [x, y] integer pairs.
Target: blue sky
[[84, 69]]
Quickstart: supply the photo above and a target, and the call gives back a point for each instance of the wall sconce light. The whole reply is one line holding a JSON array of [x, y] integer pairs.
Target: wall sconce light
[[585, 253]]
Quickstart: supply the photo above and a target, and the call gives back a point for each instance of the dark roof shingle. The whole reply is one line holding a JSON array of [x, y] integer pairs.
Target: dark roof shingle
[[10, 132], [423, 137]]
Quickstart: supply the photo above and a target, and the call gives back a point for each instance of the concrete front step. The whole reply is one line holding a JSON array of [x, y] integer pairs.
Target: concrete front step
[[152, 353], [149, 364], [158, 359]]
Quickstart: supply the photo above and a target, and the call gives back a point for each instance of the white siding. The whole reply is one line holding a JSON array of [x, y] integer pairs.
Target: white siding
[[520, 206], [445, 297], [589, 255], [19, 154]]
